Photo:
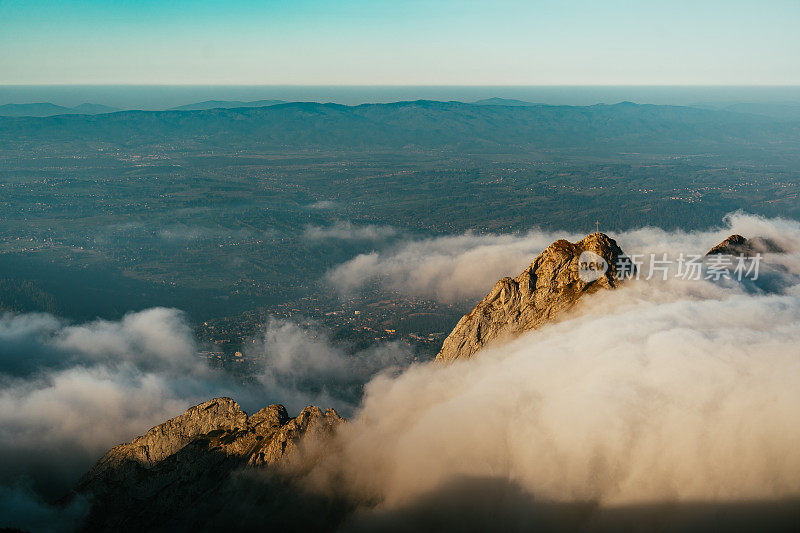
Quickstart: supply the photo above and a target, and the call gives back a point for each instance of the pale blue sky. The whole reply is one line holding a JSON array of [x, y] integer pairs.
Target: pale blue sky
[[505, 42]]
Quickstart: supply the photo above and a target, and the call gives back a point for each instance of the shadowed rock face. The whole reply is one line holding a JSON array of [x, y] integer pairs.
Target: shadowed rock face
[[551, 285], [189, 468], [738, 245]]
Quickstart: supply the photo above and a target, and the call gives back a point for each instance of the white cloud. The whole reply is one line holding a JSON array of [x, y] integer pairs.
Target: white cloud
[[454, 268], [658, 392], [70, 392], [347, 231], [322, 204], [303, 365], [179, 232], [154, 338], [448, 268]]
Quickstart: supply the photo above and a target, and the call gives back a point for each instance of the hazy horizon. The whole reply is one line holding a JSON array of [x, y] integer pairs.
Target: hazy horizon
[[155, 97]]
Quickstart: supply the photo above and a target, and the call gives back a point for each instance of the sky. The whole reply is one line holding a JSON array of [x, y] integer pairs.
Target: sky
[[377, 42]]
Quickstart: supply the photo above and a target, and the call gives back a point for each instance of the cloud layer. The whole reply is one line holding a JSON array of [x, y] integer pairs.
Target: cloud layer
[[660, 391], [302, 365], [448, 268], [454, 268], [70, 392], [668, 398]]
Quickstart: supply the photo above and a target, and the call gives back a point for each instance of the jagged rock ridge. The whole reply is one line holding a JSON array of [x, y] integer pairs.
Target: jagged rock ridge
[[551, 285], [185, 470]]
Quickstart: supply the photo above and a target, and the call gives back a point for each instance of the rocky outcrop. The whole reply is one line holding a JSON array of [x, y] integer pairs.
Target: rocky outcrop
[[199, 456], [551, 285], [738, 245], [310, 424], [220, 414]]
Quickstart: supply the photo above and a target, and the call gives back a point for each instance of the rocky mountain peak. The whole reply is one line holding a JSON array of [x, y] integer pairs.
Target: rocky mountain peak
[[551, 285], [738, 245], [162, 472]]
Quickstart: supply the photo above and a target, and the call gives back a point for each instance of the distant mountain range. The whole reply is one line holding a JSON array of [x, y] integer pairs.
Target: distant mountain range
[[225, 104], [785, 112], [47, 109], [504, 101], [779, 111], [420, 124]]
